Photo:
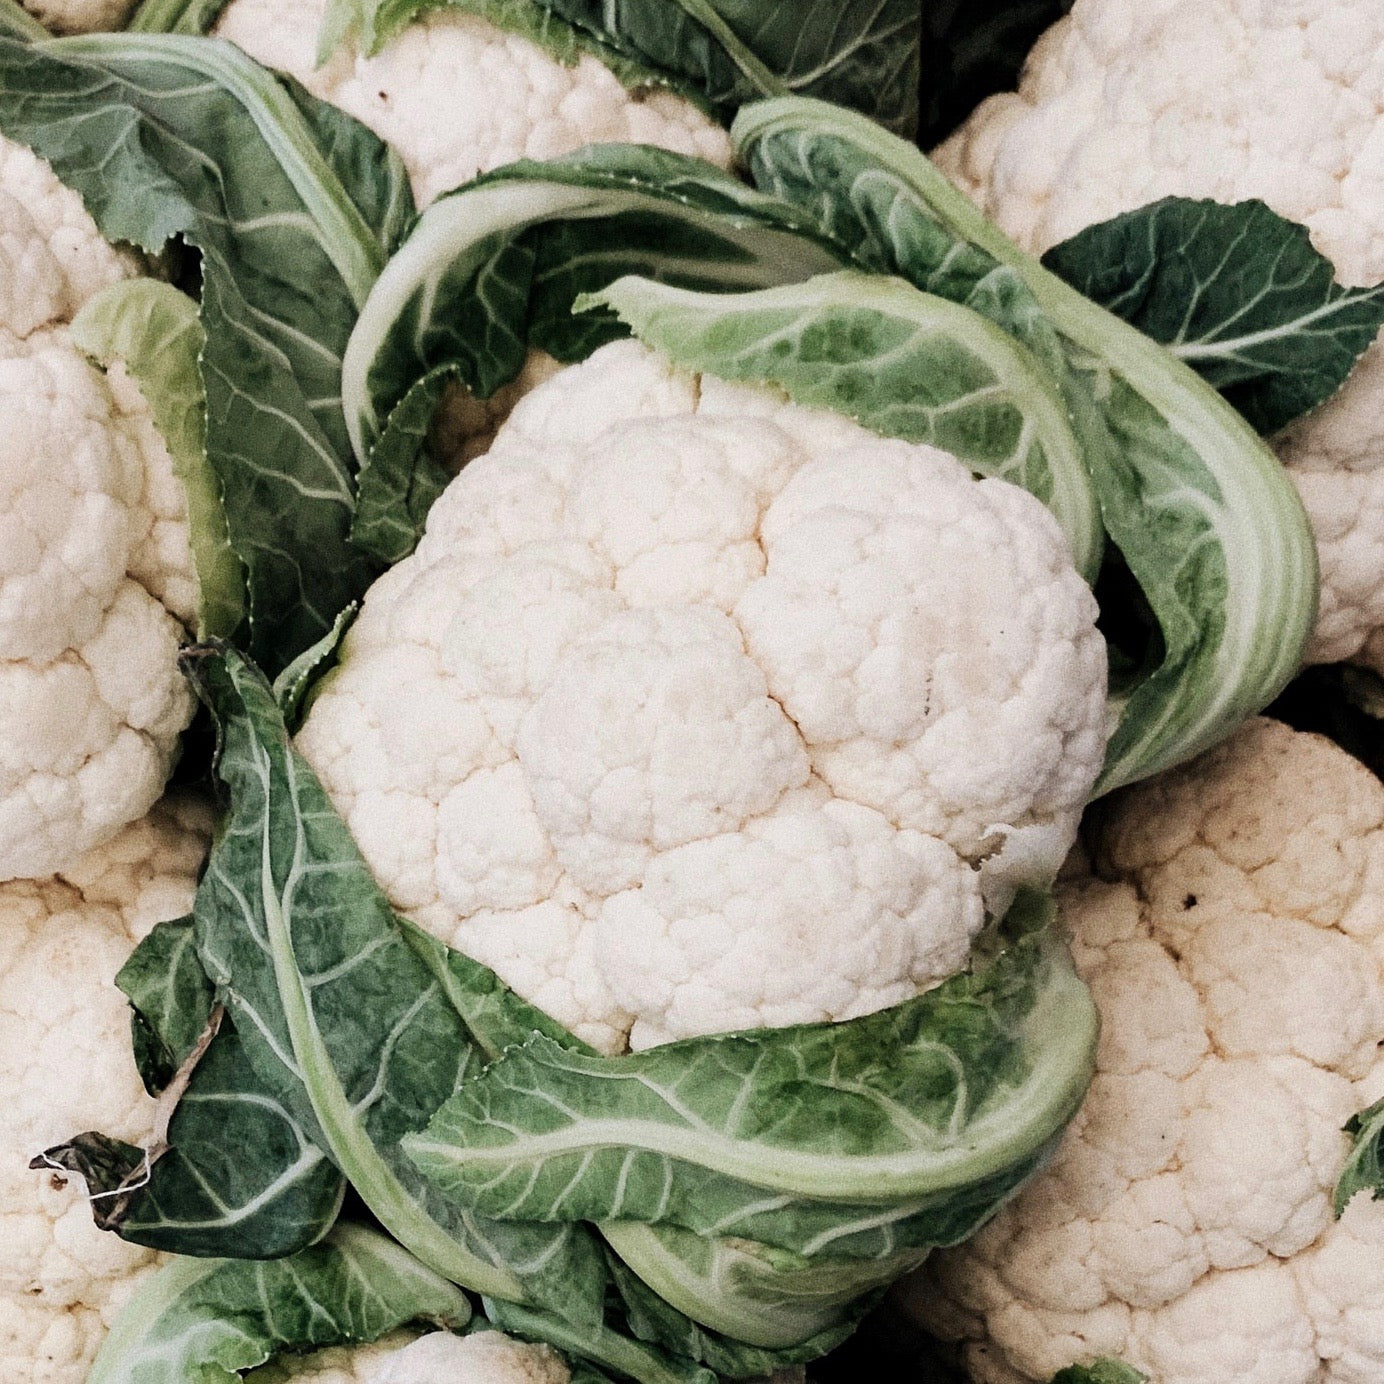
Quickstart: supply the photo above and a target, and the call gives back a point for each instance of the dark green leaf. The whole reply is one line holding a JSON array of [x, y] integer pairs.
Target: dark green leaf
[[340, 1017], [651, 1317], [401, 480], [207, 1320], [599, 1345], [108, 1166], [1235, 291], [294, 208], [171, 997], [176, 16], [1364, 1169], [1100, 1372], [239, 1176]]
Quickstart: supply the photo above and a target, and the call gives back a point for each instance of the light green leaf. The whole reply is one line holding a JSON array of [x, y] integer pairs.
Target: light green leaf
[[923, 1100], [155, 331], [1200, 510], [903, 363], [341, 1018], [861, 53], [1235, 291], [495, 267], [787, 1308], [294, 207], [204, 1321]]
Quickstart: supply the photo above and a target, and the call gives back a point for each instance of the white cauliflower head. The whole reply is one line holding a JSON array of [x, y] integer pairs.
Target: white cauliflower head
[[96, 578], [455, 96], [1128, 101], [484, 1357], [1234, 941], [695, 710], [66, 1066], [81, 16]]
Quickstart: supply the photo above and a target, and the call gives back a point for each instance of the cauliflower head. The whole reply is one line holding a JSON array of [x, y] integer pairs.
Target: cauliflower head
[[81, 16], [456, 96], [96, 575], [1127, 101], [1233, 938], [66, 1066], [696, 710], [485, 1357]]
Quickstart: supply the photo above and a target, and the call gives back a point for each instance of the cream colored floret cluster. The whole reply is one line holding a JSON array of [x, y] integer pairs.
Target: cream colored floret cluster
[[695, 710], [96, 578], [1128, 101], [66, 1067], [1233, 937], [455, 96], [485, 1357]]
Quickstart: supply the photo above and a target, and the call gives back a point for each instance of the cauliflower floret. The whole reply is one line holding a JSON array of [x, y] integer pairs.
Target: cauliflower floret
[[484, 1357], [81, 16], [65, 1067], [96, 576], [1127, 101], [759, 628], [1233, 940], [502, 98]]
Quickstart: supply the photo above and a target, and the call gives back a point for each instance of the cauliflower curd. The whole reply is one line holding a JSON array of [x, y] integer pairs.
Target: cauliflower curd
[[695, 710], [96, 576], [66, 1066], [1127, 101], [485, 1357], [1233, 938], [456, 96]]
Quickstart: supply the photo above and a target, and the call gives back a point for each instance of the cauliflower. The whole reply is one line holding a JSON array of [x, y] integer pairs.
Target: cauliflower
[[455, 96], [1233, 937], [81, 16], [96, 577], [66, 1066], [1127, 101], [696, 710], [485, 1357]]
